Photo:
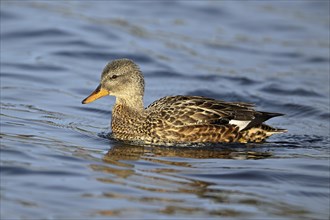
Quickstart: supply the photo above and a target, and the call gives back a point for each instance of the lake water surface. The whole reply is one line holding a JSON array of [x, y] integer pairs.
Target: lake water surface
[[56, 163]]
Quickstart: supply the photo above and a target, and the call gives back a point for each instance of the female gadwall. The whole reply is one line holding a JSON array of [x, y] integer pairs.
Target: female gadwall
[[175, 119]]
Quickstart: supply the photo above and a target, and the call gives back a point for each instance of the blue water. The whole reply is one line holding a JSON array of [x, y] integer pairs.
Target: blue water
[[56, 163]]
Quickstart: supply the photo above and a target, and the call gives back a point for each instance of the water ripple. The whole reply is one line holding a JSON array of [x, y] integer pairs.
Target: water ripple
[[16, 35], [10, 170], [278, 89]]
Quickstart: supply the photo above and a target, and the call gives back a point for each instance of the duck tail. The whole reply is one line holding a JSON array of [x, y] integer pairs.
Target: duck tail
[[261, 117], [259, 133], [270, 130], [268, 115]]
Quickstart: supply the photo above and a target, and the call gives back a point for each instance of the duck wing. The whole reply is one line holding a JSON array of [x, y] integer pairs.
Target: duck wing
[[198, 110]]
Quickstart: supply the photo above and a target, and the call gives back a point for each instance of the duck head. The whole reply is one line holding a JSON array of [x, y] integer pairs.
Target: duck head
[[121, 78]]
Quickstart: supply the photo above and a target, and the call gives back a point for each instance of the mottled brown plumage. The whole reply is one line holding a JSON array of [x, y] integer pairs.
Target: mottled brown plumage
[[176, 119]]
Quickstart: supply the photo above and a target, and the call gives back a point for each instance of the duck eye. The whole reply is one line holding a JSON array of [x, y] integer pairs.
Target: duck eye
[[113, 77]]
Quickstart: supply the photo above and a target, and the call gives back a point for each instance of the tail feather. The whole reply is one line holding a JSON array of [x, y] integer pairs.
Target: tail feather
[[270, 130], [261, 117], [268, 115], [259, 133]]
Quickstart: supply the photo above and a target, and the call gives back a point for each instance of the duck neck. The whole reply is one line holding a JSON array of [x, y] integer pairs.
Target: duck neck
[[133, 104], [127, 117]]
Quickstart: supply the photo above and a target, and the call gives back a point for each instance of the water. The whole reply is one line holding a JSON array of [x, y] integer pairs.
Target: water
[[55, 162]]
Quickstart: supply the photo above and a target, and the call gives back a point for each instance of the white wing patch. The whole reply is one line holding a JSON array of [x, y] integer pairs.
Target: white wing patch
[[240, 124]]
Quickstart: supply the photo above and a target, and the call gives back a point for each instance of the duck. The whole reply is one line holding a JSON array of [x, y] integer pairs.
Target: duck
[[175, 120]]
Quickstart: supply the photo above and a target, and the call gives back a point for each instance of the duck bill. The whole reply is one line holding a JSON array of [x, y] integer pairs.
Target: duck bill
[[98, 93]]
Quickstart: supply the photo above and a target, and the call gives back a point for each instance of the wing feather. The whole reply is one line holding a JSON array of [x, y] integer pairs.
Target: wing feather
[[194, 110]]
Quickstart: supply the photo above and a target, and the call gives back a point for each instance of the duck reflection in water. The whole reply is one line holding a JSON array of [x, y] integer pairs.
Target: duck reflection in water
[[121, 151], [170, 180]]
